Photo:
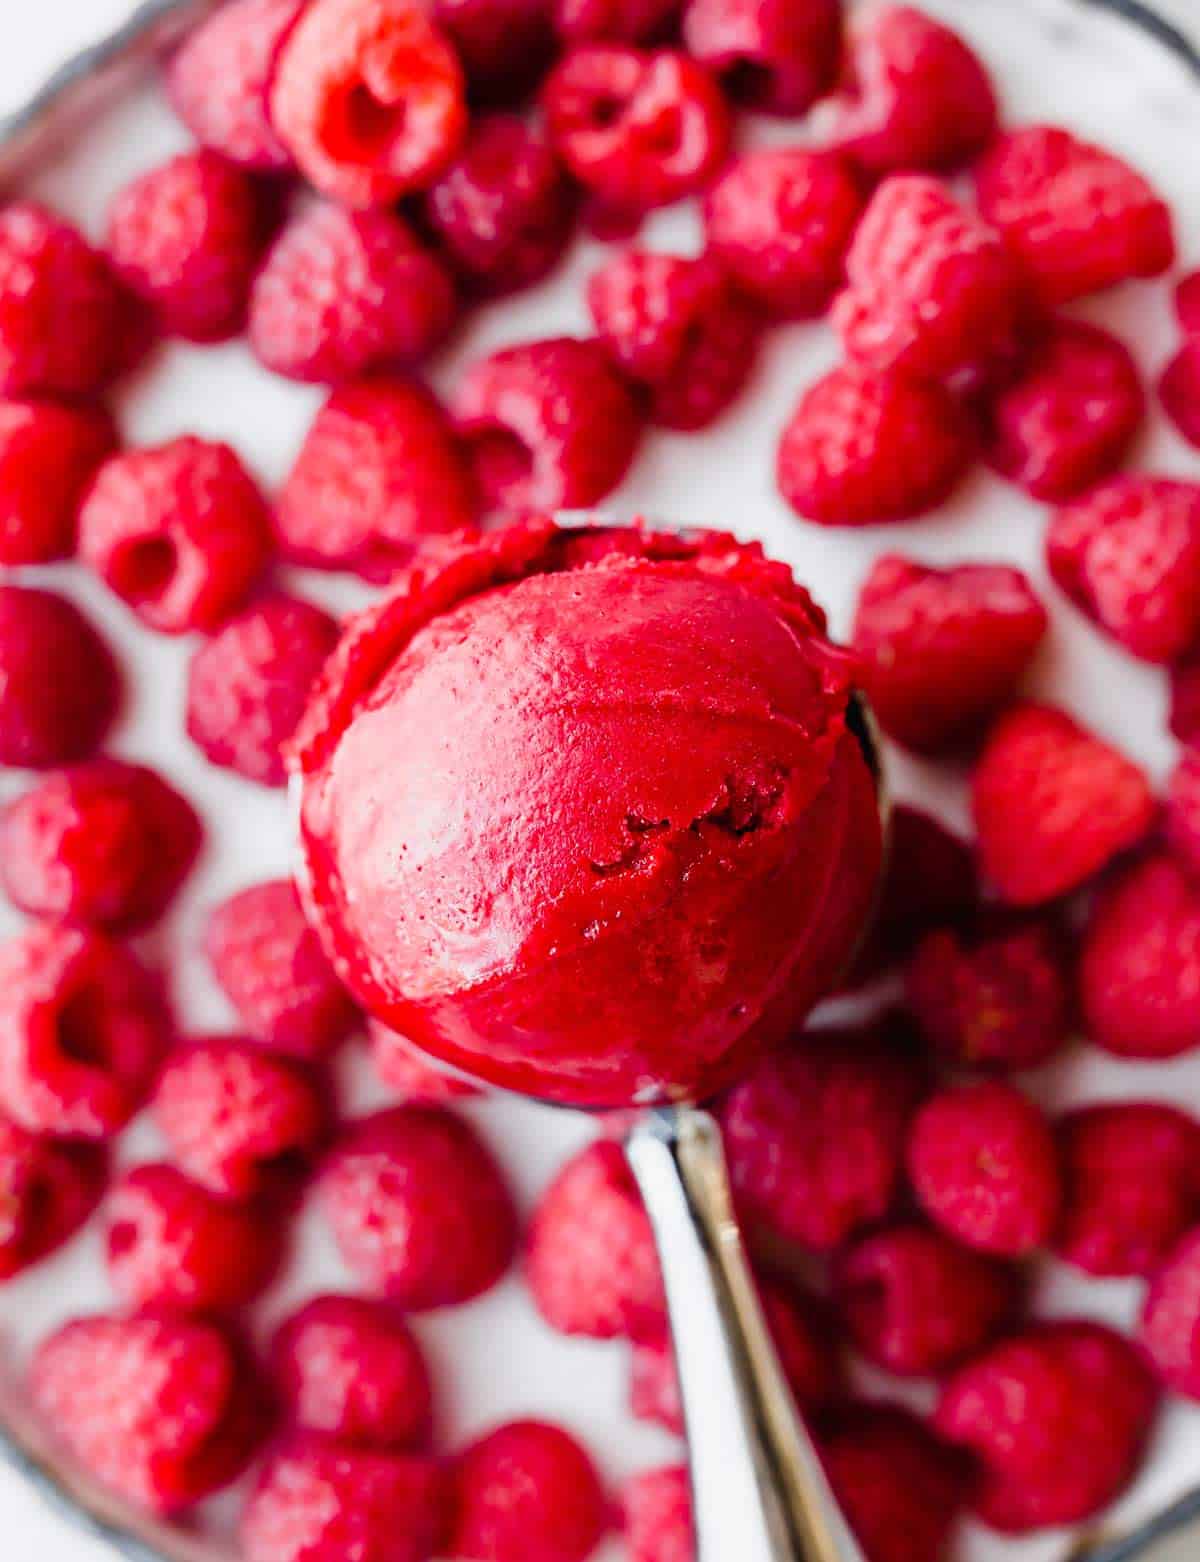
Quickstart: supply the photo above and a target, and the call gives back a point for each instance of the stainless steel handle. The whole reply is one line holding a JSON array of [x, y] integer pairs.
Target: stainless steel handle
[[758, 1489], [1170, 1536]]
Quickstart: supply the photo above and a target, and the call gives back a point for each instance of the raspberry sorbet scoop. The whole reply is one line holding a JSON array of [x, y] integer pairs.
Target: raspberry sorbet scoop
[[584, 812]]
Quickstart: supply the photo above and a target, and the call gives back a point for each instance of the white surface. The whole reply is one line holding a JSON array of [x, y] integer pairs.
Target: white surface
[[1053, 61]]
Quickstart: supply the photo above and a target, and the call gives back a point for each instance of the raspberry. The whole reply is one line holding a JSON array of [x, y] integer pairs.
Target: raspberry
[[341, 292], [866, 446], [81, 1032], [1057, 1418], [504, 45], [548, 425], [776, 55], [527, 1492], [680, 329], [239, 1121], [1069, 416], [369, 99], [1131, 1174], [172, 1244], [943, 649], [1054, 804], [1127, 553], [180, 532], [984, 1166], [59, 686], [379, 472], [48, 1190], [1170, 1327], [932, 288], [614, 21], [590, 1259], [248, 685], [638, 129], [1182, 818], [913, 96], [658, 1516], [1179, 390], [160, 1409], [1187, 303], [351, 1369], [1185, 698], [412, 1076], [271, 967], [1077, 217], [48, 455], [780, 220], [419, 1208]]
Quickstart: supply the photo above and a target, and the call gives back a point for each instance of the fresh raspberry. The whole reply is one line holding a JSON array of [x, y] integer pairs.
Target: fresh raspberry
[[48, 1190], [943, 649], [984, 1166], [1182, 813], [172, 1244], [638, 129], [369, 99], [238, 1120], [527, 1492], [1069, 416], [342, 292], [412, 1076], [1057, 1419], [1170, 1327], [504, 45], [248, 685], [273, 970], [419, 1208], [615, 21], [352, 1369], [82, 1029], [379, 472], [866, 446], [48, 455], [775, 55], [548, 425], [1077, 217], [1179, 390], [1131, 1177], [932, 288], [590, 1259], [1054, 804], [1187, 303], [1127, 553], [59, 686], [680, 329], [1185, 698], [180, 532], [780, 219], [159, 1408], [658, 1516]]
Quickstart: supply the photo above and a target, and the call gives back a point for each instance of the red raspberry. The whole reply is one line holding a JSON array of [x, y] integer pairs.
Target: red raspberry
[[172, 1244], [1057, 1418], [379, 472], [369, 99], [914, 95], [504, 45], [776, 55], [413, 1077], [943, 649], [1187, 303], [48, 455], [638, 129], [548, 425], [1071, 413], [419, 1208], [48, 1190], [590, 1259], [615, 21], [248, 685], [82, 1029], [866, 446], [239, 1121], [1170, 1327], [1179, 389], [159, 1408], [984, 1166], [658, 1516], [527, 1492], [1185, 698], [1131, 1174], [1182, 818], [59, 686], [180, 532], [352, 1369], [780, 219], [273, 970], [1127, 553], [1077, 217], [932, 288], [1054, 804]]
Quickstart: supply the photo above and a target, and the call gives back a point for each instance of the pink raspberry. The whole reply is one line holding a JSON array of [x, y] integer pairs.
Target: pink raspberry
[[776, 55], [614, 21], [60, 689], [419, 1208], [1170, 1326], [1077, 217], [658, 1516], [180, 532], [1185, 698], [1057, 1419], [48, 1191], [504, 45], [351, 1369], [1179, 391], [48, 455], [1187, 303], [1054, 804], [405, 1070], [379, 472], [1182, 815], [680, 329], [943, 649]]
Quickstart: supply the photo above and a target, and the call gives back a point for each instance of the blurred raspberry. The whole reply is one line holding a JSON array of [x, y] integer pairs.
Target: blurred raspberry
[[1179, 390], [1170, 1327], [504, 45], [48, 455], [615, 21], [1185, 698], [658, 1516], [49, 1188], [1182, 812], [414, 1078], [779, 56], [60, 689], [1187, 303]]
